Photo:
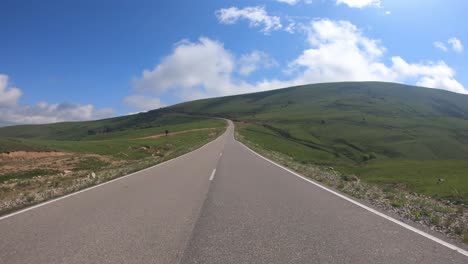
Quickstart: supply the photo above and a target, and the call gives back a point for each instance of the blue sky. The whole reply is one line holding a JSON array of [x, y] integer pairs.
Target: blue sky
[[80, 60]]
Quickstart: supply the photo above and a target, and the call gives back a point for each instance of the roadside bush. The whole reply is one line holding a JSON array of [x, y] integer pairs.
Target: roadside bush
[[369, 156], [435, 220], [397, 203], [417, 215]]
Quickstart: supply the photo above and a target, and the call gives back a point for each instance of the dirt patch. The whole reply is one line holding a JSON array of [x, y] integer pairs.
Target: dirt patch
[[25, 155], [176, 133], [18, 161], [29, 177]]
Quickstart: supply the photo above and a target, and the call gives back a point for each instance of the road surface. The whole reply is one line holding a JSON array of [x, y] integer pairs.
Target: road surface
[[219, 204]]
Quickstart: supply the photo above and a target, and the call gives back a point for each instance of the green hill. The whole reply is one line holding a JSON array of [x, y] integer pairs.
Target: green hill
[[385, 133], [40, 162], [100, 136], [142, 124]]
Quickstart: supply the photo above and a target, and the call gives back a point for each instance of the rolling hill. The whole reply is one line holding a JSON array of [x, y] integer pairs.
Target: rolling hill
[[385, 133], [40, 162], [148, 123]]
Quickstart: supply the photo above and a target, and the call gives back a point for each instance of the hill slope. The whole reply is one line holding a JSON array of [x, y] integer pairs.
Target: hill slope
[[384, 132], [40, 162], [149, 123]]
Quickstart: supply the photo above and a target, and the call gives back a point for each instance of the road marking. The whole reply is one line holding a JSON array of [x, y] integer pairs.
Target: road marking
[[104, 183], [422, 233], [212, 174]]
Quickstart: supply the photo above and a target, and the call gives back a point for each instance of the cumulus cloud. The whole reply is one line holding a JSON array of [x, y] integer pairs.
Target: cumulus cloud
[[249, 63], [143, 103], [431, 74], [341, 52], [8, 95], [359, 3], [43, 112], [194, 70], [456, 44], [256, 15], [338, 51], [204, 68]]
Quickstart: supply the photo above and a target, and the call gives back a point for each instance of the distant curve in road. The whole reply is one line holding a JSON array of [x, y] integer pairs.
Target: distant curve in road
[[218, 204]]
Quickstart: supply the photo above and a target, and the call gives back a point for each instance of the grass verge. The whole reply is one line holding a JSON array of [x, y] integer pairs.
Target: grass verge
[[443, 216], [81, 164]]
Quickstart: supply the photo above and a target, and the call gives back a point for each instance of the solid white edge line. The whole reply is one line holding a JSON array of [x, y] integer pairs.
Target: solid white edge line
[[212, 174], [422, 233], [104, 183]]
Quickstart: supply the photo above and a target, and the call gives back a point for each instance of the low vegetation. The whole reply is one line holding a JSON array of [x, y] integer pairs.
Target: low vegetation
[[37, 167], [401, 148], [386, 134], [444, 179], [407, 143], [443, 216]]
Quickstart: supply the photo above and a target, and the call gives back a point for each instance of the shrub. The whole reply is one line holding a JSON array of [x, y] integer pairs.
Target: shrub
[[435, 220], [365, 157], [459, 230], [417, 215], [30, 198], [369, 156], [397, 203]]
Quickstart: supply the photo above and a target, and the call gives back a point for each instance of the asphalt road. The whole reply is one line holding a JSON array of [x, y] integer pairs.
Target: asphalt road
[[247, 211]]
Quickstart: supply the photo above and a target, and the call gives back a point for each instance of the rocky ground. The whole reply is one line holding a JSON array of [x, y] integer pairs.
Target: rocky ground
[[57, 173]]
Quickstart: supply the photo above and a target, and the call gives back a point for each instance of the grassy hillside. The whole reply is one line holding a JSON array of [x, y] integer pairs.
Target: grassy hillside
[[148, 123], [39, 162], [385, 133], [117, 137]]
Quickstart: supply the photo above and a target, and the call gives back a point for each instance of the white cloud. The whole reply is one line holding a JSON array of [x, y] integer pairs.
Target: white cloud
[[194, 70], [203, 69], [8, 95], [43, 112], [248, 63], [338, 51], [431, 74], [289, 2], [457, 46], [256, 15], [291, 27], [454, 43], [359, 3], [143, 103], [441, 46]]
